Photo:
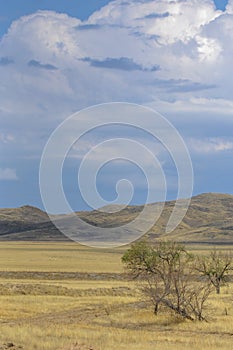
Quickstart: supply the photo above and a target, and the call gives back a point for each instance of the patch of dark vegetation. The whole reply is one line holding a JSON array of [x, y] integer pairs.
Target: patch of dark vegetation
[[45, 289], [38, 275], [11, 346]]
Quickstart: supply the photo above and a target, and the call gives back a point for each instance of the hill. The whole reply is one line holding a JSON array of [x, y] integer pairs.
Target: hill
[[27, 223], [209, 220]]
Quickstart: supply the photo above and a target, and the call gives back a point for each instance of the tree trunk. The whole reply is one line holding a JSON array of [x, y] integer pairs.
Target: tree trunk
[[156, 309]]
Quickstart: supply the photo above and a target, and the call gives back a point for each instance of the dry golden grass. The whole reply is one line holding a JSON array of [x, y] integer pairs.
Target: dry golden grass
[[98, 315], [47, 256]]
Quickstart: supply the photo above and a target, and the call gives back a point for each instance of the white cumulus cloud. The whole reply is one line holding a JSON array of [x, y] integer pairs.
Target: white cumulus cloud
[[160, 53]]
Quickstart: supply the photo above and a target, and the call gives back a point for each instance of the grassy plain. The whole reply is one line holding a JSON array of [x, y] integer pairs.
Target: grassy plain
[[53, 295]]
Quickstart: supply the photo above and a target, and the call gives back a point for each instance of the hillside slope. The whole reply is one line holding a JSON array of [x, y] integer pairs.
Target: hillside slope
[[209, 219]]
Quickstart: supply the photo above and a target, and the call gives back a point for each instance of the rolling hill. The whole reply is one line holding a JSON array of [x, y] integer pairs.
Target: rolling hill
[[209, 220]]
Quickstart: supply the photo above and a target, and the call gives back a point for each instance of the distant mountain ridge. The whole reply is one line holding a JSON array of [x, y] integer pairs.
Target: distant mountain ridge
[[209, 220], [26, 213]]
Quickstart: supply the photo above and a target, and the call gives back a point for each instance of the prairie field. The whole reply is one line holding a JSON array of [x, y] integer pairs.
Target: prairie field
[[54, 295]]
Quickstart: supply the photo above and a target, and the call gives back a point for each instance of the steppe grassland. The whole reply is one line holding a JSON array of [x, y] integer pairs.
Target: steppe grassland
[[62, 256], [105, 314]]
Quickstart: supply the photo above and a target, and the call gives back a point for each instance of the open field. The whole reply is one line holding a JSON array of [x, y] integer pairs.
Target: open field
[[53, 256], [53, 295]]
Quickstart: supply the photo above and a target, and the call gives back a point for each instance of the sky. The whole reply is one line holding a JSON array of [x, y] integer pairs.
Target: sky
[[58, 57]]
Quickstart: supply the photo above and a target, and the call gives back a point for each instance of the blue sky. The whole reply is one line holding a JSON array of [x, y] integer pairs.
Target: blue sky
[[57, 57], [13, 9]]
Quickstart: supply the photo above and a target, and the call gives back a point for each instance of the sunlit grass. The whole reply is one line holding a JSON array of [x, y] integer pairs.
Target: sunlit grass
[[27, 256], [97, 316]]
